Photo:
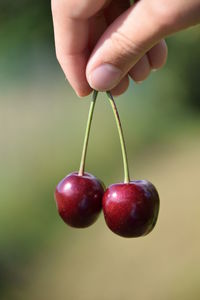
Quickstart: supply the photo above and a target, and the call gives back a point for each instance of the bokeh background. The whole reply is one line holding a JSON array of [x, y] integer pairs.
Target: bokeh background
[[42, 123]]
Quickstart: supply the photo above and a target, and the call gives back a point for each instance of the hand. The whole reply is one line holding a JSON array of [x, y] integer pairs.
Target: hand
[[101, 43]]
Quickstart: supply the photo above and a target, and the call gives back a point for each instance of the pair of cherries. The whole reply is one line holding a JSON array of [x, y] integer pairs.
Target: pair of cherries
[[130, 208]]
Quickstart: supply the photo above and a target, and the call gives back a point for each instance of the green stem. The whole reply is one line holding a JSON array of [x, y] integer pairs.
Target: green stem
[[121, 137], [87, 133]]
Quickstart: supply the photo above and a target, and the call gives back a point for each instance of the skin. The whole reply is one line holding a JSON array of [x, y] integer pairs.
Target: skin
[[93, 36]]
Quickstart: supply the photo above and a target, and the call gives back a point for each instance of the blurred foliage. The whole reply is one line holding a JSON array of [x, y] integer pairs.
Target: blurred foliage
[[184, 52], [40, 141], [25, 22]]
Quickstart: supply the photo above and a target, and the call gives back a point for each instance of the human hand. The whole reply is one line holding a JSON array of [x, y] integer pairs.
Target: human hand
[[101, 44]]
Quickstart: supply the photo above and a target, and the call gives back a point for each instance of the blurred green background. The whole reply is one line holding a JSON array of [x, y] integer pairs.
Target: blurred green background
[[41, 135]]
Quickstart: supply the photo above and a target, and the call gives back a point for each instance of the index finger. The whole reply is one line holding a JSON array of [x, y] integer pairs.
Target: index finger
[[71, 42]]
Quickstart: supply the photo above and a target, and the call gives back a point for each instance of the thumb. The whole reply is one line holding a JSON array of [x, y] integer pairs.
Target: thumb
[[125, 41]]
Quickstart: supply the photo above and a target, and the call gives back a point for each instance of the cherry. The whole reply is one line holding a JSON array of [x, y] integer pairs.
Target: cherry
[[79, 195], [131, 209], [79, 199]]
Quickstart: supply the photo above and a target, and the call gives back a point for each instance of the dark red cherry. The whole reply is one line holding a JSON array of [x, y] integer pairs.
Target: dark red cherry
[[79, 199], [131, 209]]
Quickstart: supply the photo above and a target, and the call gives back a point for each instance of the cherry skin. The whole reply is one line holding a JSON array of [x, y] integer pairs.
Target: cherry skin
[[131, 209], [79, 199]]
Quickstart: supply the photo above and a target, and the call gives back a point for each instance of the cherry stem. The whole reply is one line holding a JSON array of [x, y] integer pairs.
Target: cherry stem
[[121, 137], [87, 133]]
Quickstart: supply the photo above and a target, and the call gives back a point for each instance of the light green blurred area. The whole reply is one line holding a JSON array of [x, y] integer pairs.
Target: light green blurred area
[[42, 124]]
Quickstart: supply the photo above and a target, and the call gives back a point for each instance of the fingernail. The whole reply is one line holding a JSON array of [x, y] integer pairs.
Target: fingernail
[[154, 70], [104, 77]]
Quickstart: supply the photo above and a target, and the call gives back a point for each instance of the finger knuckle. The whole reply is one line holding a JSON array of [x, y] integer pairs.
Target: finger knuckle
[[125, 47]]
